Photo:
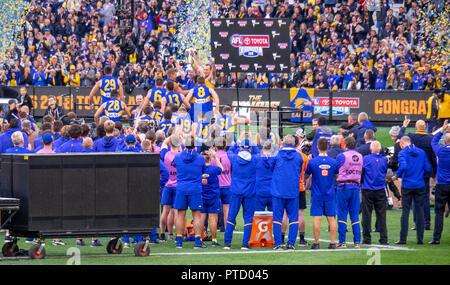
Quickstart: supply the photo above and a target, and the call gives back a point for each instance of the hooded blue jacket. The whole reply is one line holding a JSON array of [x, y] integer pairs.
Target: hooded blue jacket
[[106, 144], [5, 139], [59, 142], [264, 172], [243, 171], [367, 125], [287, 167], [375, 167], [443, 154], [190, 168], [72, 145], [413, 166]]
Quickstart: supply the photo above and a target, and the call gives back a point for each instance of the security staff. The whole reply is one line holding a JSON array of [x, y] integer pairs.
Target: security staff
[[373, 192], [442, 195], [287, 167], [413, 166], [350, 164]]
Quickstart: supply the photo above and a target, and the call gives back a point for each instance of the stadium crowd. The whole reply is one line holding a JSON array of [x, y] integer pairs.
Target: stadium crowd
[[334, 45], [207, 166]]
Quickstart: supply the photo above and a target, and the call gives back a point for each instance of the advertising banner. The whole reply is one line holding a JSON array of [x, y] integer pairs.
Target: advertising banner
[[250, 45]]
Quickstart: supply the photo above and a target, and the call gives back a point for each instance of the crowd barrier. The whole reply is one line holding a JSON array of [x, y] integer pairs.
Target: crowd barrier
[[381, 106]]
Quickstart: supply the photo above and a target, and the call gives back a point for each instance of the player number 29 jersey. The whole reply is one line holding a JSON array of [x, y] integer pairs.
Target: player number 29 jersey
[[108, 84]]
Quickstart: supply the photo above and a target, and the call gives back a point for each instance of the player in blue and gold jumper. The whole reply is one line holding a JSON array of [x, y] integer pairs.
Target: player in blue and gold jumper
[[113, 109], [106, 85], [201, 99]]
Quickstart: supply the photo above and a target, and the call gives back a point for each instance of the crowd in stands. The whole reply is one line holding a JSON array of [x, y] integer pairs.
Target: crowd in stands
[[334, 45]]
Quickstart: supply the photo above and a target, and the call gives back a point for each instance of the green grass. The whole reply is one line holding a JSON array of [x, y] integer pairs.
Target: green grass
[[160, 254], [416, 255]]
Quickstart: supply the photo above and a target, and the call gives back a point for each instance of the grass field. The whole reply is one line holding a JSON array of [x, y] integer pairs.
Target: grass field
[[167, 254]]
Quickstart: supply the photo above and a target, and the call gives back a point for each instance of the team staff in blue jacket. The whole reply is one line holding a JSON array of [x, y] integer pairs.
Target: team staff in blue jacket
[[442, 195], [18, 143], [413, 166], [243, 178], [264, 174], [287, 167], [365, 124], [190, 168], [108, 143], [373, 192], [423, 140], [5, 138], [75, 144]]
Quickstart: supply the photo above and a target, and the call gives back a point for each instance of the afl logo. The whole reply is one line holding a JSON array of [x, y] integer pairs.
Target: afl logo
[[224, 55], [282, 45], [223, 34], [216, 23]]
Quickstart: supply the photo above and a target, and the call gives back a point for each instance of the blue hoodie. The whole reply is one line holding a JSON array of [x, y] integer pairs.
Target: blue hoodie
[[5, 139], [287, 167], [361, 130], [73, 145], [413, 166], [84, 149], [243, 171], [190, 168], [59, 142], [375, 168], [107, 144], [263, 185], [443, 155]]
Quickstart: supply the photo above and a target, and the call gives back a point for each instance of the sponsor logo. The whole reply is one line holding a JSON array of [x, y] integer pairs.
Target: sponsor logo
[[224, 55], [230, 66], [355, 158], [337, 102], [229, 23], [217, 44], [282, 66], [254, 23], [400, 107], [281, 23], [270, 67], [282, 45], [217, 23], [257, 66], [223, 34], [244, 67], [242, 23], [275, 56], [268, 23], [250, 45], [274, 34], [219, 66]]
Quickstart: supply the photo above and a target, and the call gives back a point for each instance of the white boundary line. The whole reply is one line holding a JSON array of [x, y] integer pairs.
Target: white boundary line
[[368, 246]]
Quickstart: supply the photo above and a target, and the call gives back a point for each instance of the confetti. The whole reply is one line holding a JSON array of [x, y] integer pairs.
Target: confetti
[[434, 31], [193, 30], [12, 19]]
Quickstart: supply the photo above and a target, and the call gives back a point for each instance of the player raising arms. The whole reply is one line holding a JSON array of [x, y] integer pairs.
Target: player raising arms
[[173, 97], [157, 93], [228, 121], [106, 85], [201, 98], [113, 109], [208, 71]]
